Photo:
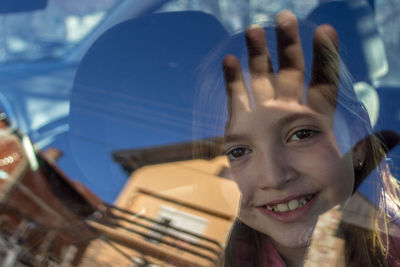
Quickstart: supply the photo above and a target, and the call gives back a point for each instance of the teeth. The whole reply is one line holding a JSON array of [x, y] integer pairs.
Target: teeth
[[291, 205], [282, 207]]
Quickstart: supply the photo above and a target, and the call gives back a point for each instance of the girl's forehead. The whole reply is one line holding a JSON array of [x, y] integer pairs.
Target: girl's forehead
[[273, 114]]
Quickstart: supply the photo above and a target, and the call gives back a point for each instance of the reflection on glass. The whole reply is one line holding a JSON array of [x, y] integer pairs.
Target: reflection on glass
[[303, 180]]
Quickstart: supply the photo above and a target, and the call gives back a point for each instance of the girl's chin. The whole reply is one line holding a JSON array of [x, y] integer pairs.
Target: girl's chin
[[292, 240], [293, 235]]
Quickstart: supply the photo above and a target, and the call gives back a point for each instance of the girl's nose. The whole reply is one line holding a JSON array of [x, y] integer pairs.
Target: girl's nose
[[274, 170]]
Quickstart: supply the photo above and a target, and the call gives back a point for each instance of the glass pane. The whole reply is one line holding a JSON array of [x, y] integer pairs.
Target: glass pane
[[200, 133]]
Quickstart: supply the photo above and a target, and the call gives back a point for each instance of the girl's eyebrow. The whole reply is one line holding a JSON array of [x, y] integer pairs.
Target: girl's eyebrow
[[233, 138], [292, 117]]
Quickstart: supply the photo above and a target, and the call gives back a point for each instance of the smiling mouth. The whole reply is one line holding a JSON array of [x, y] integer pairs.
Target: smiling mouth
[[291, 205]]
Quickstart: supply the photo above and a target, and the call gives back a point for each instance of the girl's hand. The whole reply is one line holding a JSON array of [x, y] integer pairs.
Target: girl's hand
[[288, 83]]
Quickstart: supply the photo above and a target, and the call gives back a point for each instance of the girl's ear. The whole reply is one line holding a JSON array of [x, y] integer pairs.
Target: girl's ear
[[359, 154], [360, 138]]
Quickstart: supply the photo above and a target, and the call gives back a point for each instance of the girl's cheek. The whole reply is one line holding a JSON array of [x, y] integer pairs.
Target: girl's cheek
[[244, 184]]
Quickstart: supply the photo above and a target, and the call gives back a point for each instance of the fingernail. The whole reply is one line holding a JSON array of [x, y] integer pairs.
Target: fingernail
[[254, 26], [284, 18]]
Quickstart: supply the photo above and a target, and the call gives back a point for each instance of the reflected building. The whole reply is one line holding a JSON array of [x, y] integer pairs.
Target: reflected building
[[177, 208]]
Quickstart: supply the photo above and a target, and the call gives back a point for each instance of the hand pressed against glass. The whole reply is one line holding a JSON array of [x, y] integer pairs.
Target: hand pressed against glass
[[283, 152]]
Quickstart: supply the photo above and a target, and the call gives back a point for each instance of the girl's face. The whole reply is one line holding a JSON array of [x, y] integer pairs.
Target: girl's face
[[288, 165], [284, 153]]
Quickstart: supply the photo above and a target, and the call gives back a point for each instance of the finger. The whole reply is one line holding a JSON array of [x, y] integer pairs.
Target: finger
[[238, 96], [259, 64], [290, 55], [325, 66], [259, 59]]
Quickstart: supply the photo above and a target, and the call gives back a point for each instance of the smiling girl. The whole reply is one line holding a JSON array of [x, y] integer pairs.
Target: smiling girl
[[298, 151]]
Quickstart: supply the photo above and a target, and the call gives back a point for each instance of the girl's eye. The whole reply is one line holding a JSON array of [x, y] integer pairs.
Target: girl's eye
[[302, 135], [237, 152]]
